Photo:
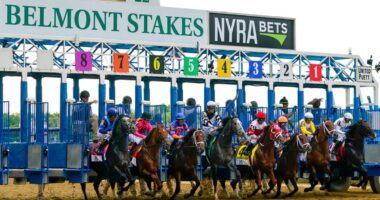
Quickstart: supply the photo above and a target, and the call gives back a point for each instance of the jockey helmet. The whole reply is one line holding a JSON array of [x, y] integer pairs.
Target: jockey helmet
[[84, 94], [180, 116], [282, 119], [211, 104], [111, 112], [309, 115], [191, 102], [127, 100], [284, 101], [261, 115], [348, 115], [146, 116]]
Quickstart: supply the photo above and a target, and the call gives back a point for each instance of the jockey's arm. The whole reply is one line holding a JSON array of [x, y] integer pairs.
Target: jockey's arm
[[103, 129], [312, 127]]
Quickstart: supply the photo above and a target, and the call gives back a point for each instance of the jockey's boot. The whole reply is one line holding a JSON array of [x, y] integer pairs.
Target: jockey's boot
[[101, 146], [248, 149], [133, 148], [336, 147]]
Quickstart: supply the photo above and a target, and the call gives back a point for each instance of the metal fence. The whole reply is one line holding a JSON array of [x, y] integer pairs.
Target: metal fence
[[123, 109], [5, 123], [79, 123], [158, 113], [193, 115], [38, 122]]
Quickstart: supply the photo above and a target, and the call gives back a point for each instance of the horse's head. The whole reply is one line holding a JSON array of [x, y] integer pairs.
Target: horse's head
[[161, 132], [303, 144], [327, 128], [199, 138], [237, 127], [123, 127], [273, 131], [364, 129]]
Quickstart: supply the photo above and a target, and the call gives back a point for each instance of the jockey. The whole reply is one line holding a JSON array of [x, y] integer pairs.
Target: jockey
[[106, 126], [84, 98], [282, 123], [143, 128], [177, 128], [210, 119], [255, 130], [306, 125], [341, 126]]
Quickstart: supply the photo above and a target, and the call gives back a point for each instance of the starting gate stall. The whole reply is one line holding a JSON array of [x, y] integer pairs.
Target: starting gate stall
[[4, 134], [78, 143], [158, 113], [193, 115], [292, 120], [248, 114], [28, 159], [319, 114]]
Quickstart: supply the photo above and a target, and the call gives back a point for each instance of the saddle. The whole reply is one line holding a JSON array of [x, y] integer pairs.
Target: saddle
[[97, 156], [243, 156]]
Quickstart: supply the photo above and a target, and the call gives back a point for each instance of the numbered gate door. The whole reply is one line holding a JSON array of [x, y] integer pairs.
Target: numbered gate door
[[77, 169], [4, 139], [37, 145]]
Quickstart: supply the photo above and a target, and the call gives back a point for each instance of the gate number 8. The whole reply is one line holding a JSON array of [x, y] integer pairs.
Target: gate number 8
[[83, 61]]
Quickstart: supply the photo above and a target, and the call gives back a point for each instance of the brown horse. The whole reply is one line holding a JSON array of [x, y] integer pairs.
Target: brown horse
[[148, 159], [185, 160], [287, 166], [263, 159], [319, 157]]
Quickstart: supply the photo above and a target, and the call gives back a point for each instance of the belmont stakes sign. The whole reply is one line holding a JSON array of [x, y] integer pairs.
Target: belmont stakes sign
[[104, 21], [120, 22], [238, 30]]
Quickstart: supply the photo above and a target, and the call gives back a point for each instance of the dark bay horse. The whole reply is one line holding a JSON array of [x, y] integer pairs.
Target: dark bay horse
[[222, 153], [185, 160], [287, 166], [115, 168], [353, 156], [263, 160], [318, 158], [148, 159]]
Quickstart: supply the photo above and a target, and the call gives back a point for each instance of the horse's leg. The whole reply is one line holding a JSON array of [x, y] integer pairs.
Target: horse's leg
[[83, 186], [278, 193], [214, 174], [40, 194], [193, 189], [328, 180], [169, 184], [106, 187], [96, 187], [295, 186], [237, 180], [272, 182], [142, 185], [258, 183], [223, 184], [312, 177], [177, 185], [362, 173]]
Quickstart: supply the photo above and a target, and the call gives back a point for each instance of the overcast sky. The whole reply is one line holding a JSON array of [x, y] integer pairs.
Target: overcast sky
[[321, 26]]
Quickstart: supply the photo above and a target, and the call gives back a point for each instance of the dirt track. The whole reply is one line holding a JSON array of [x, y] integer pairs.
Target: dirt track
[[66, 191]]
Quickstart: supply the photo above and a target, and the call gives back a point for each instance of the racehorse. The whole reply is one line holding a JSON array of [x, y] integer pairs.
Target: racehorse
[[318, 159], [115, 168], [148, 159], [287, 166], [222, 154], [185, 161], [261, 158], [353, 156]]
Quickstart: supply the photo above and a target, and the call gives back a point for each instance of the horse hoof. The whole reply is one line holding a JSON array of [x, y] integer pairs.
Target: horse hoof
[[307, 190]]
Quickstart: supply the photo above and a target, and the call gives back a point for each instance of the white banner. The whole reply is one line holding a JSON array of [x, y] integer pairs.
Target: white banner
[[100, 21], [364, 74]]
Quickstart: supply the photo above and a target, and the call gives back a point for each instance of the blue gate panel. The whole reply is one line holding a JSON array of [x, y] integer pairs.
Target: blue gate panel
[[18, 154], [57, 155]]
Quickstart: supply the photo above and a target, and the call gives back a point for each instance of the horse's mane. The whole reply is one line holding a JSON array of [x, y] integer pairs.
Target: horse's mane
[[117, 121], [148, 138], [225, 120], [189, 135], [266, 132]]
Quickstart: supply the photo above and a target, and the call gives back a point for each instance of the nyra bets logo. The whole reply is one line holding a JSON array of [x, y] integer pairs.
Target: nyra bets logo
[[251, 31]]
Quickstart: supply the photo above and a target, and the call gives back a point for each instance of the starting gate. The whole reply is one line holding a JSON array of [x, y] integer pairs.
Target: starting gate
[[158, 113], [123, 109]]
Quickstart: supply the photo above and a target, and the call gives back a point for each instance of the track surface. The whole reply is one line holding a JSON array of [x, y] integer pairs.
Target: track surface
[[66, 191]]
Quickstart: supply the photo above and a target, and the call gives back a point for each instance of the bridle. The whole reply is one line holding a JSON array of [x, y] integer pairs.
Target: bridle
[[302, 147]]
